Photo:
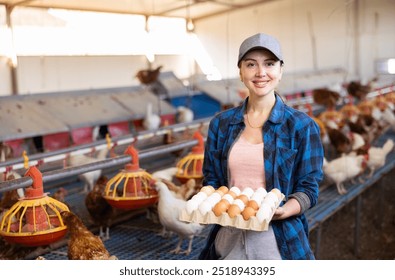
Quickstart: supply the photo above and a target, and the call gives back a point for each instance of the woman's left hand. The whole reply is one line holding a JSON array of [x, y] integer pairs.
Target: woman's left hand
[[290, 208], [279, 214]]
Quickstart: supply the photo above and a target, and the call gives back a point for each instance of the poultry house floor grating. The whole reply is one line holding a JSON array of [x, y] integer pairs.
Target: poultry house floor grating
[[137, 238]]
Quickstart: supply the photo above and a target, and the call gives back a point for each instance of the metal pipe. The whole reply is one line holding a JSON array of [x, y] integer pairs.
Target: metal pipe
[[103, 164], [124, 139]]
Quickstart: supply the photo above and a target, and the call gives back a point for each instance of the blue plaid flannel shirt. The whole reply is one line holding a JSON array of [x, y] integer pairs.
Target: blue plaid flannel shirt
[[293, 157]]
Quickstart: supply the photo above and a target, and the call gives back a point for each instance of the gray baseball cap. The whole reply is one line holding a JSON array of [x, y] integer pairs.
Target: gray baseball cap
[[260, 41]]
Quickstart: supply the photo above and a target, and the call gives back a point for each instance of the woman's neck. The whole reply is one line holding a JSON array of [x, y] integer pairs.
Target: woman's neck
[[261, 105]]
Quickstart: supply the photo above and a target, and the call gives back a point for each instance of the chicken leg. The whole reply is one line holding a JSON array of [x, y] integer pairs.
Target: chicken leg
[[177, 250], [341, 189]]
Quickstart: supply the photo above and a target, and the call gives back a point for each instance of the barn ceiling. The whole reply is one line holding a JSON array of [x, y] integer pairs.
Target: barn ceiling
[[193, 9]]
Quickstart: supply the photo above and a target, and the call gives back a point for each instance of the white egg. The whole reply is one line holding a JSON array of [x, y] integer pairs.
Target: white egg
[[191, 206], [199, 197], [228, 197], [248, 192], [261, 191], [269, 201], [272, 196], [204, 207], [236, 190], [239, 203], [213, 198], [277, 192], [258, 197], [264, 213]]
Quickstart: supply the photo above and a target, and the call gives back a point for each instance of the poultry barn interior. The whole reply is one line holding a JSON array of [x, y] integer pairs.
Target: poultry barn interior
[[76, 110]]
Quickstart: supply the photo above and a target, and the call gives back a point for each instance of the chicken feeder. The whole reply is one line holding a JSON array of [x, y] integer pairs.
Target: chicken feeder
[[132, 188], [35, 219], [190, 166]]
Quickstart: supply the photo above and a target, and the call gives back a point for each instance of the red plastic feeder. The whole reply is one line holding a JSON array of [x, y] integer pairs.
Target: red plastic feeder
[[34, 220], [132, 188], [190, 166]]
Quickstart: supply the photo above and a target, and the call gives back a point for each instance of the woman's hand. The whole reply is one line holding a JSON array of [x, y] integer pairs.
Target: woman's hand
[[290, 208], [279, 214]]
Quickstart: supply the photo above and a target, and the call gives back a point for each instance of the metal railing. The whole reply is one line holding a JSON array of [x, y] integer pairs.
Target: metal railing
[[103, 164], [61, 154]]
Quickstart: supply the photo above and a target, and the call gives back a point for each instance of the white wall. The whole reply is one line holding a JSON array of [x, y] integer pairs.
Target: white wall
[[332, 24], [51, 74], [5, 78]]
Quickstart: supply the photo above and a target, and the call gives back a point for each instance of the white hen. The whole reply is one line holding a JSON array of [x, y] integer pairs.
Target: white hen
[[89, 178], [343, 169], [378, 155], [151, 121], [184, 114], [169, 209], [167, 174], [385, 118]]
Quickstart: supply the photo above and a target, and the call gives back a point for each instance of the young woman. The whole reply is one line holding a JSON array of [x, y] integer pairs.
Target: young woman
[[264, 143]]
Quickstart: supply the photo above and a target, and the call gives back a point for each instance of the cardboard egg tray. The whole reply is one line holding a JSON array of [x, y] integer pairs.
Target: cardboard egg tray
[[238, 222]]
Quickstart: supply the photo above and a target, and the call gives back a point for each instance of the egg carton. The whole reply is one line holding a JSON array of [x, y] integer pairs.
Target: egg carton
[[224, 220]]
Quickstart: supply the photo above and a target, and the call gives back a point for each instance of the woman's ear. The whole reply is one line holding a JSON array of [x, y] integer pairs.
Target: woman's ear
[[281, 73]]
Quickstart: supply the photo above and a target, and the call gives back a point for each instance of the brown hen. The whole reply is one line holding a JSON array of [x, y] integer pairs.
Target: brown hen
[[11, 197], [339, 140], [83, 244], [148, 76], [185, 191], [99, 210], [358, 90], [326, 97]]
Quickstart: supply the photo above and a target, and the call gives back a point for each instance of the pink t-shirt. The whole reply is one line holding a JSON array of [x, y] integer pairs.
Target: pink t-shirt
[[246, 165]]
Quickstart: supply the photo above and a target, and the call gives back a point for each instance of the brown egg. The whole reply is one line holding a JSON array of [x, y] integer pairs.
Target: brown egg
[[233, 210], [243, 198], [232, 194], [221, 207], [253, 204], [207, 189], [219, 192], [248, 212], [223, 189]]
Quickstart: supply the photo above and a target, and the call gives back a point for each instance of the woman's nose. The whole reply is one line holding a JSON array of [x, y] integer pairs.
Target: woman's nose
[[261, 71]]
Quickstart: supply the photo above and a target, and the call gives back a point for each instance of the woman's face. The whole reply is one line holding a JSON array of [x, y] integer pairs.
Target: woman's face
[[261, 72]]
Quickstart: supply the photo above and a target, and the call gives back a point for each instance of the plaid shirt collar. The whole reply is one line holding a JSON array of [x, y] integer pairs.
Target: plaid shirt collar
[[276, 116]]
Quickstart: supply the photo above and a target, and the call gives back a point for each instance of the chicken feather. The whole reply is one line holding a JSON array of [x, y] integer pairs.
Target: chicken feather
[[378, 155], [83, 244], [99, 209], [344, 168], [169, 209], [89, 178]]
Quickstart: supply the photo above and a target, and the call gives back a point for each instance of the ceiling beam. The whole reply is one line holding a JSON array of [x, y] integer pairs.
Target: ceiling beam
[[249, 5]]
